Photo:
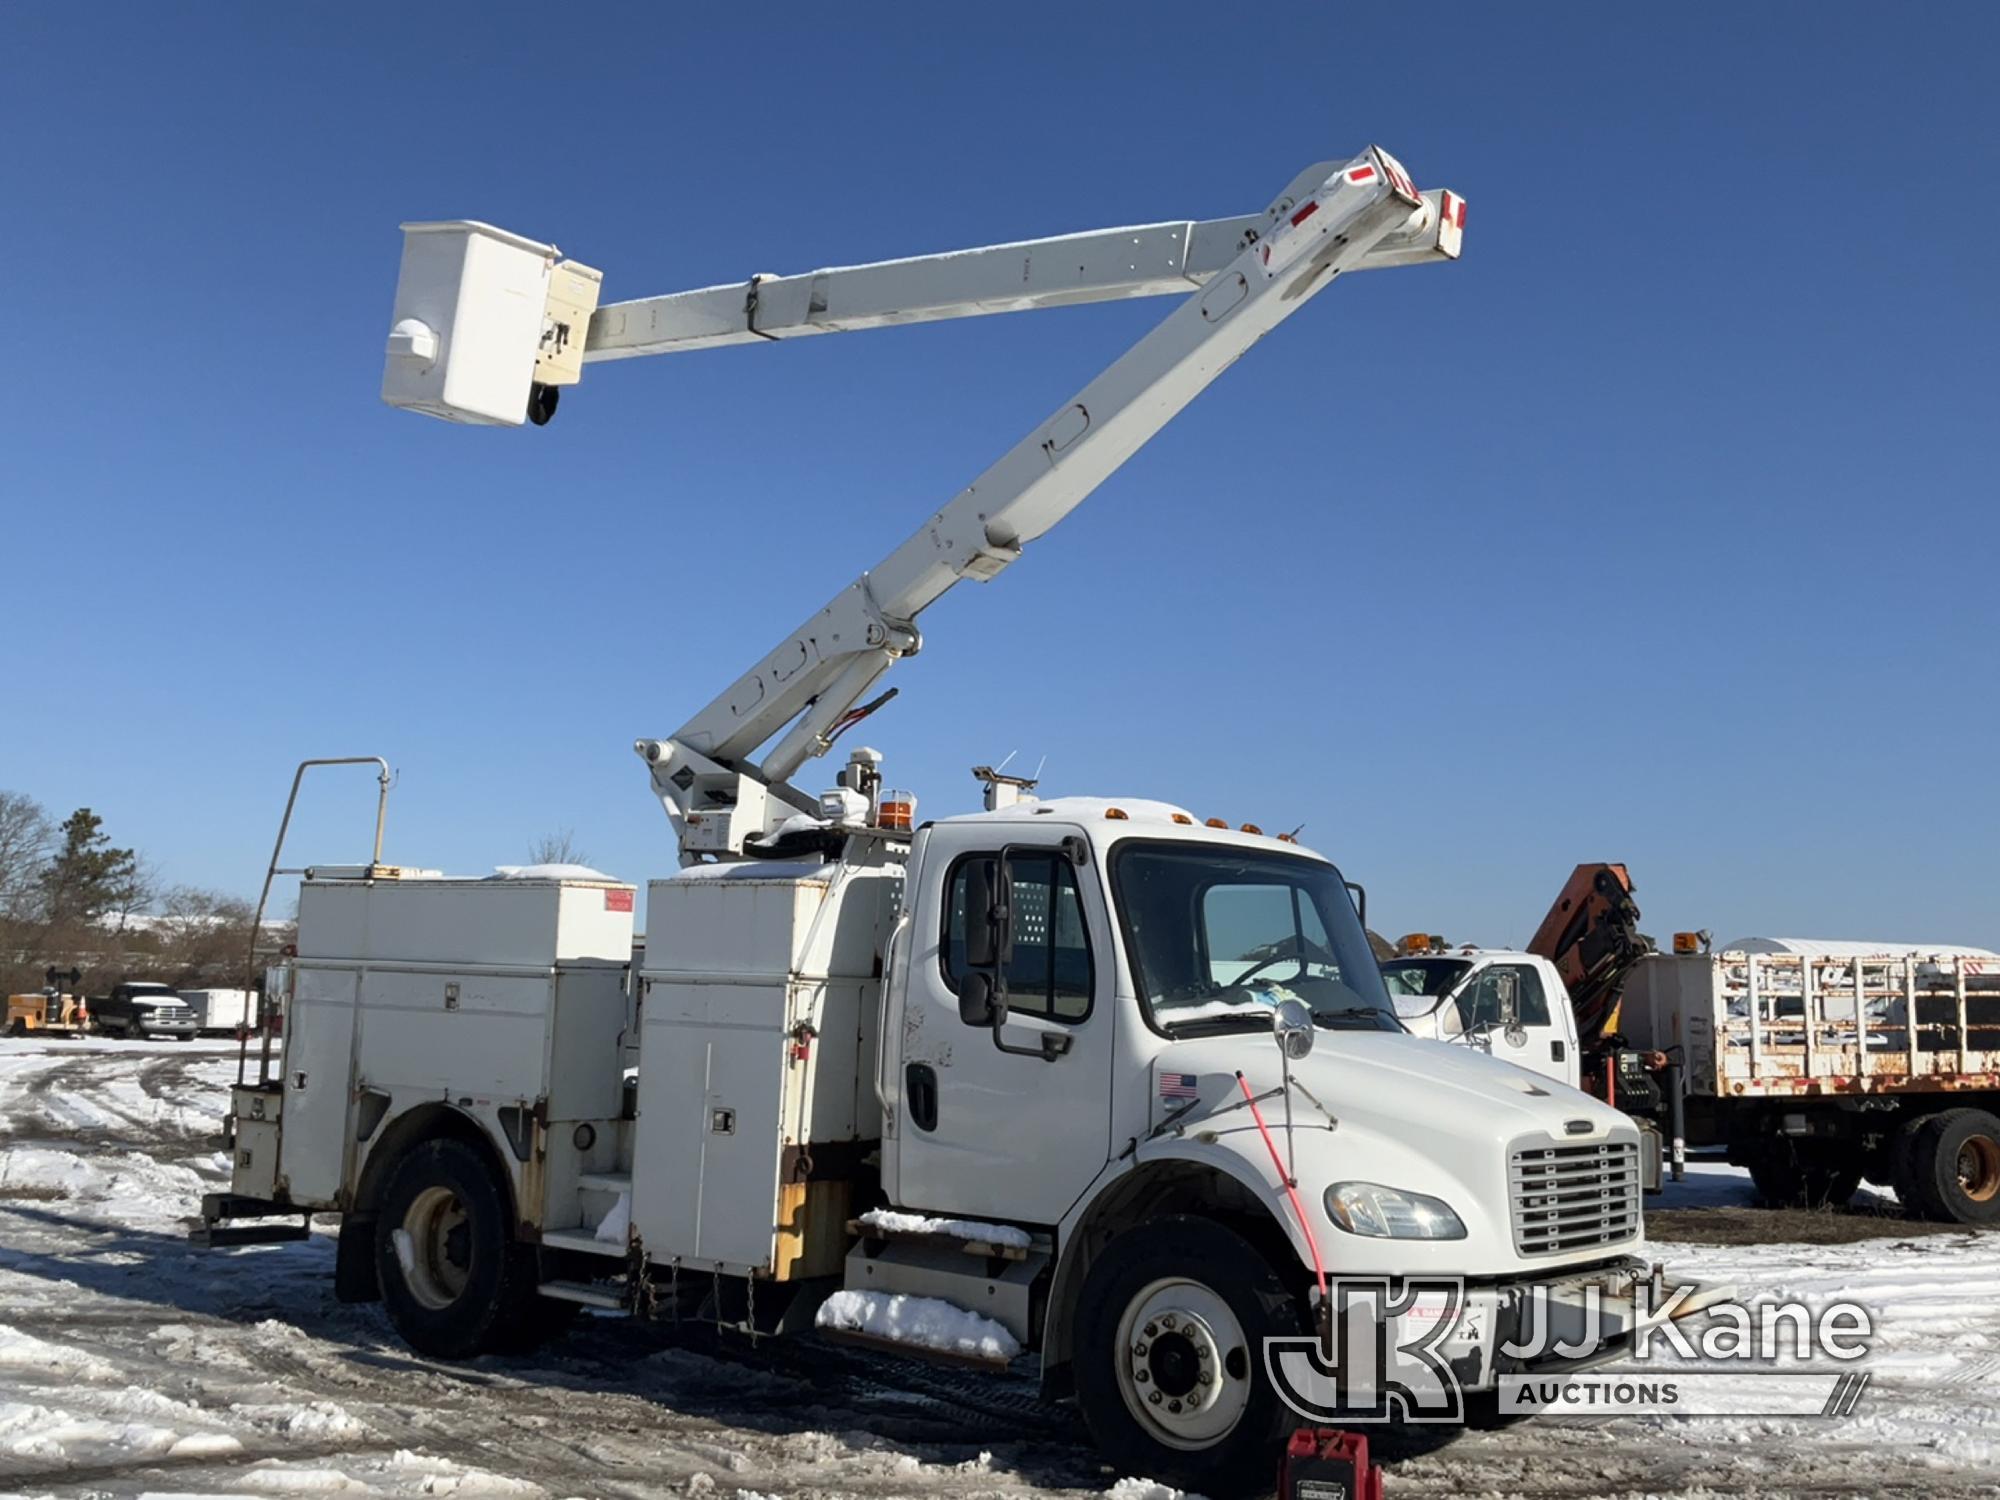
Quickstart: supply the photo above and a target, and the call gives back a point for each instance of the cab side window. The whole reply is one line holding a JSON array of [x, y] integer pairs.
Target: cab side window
[[1051, 971]]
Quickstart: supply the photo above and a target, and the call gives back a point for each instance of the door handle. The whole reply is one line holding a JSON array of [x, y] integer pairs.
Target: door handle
[[1557, 1050], [920, 1095]]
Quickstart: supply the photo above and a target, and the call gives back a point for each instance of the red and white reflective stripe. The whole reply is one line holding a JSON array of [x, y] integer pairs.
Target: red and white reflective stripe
[[1360, 174], [1452, 210], [1311, 207], [1400, 180]]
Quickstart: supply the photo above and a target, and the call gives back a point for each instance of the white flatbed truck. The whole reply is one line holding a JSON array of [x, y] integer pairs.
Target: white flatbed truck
[[1036, 1032]]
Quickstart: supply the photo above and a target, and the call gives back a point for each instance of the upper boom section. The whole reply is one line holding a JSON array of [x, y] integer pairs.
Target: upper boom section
[[1146, 260]]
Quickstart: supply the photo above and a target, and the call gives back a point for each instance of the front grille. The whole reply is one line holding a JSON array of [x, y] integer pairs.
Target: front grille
[[1573, 1197]]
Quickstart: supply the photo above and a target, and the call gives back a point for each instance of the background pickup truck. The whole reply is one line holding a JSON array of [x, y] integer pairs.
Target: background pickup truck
[[142, 1009]]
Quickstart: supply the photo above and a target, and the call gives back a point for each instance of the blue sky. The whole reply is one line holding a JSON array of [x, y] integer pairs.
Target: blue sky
[[1660, 528]]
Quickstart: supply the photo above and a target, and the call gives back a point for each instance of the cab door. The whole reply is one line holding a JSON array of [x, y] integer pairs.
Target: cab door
[[1012, 1122], [1506, 1008]]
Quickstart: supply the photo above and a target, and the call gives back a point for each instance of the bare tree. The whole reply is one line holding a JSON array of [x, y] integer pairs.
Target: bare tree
[[26, 840], [557, 849], [199, 937]]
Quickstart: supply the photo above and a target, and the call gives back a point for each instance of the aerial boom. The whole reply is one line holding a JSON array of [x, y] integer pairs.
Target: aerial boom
[[813, 679], [1242, 276]]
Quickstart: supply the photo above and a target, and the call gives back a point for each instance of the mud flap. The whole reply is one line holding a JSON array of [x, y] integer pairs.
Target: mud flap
[[354, 1277]]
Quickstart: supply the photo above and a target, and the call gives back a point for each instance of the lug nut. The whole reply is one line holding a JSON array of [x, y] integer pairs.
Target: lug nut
[[1153, 1328], [1173, 1406], [1141, 1376], [1204, 1378], [1154, 1398], [1140, 1349], [1170, 1322]]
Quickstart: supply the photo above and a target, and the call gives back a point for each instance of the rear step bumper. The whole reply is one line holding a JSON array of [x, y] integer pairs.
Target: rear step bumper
[[216, 1232], [583, 1293]]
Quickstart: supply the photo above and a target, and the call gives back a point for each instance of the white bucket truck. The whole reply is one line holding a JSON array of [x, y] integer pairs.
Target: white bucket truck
[[991, 1082]]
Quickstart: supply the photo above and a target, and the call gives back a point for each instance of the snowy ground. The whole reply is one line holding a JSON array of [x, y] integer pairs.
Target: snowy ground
[[131, 1364]]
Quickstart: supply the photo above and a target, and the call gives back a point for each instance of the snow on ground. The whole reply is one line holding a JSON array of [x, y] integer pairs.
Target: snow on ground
[[131, 1363]]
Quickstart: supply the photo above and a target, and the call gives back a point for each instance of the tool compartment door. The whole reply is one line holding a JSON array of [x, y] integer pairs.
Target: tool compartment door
[[709, 1133], [319, 1072]]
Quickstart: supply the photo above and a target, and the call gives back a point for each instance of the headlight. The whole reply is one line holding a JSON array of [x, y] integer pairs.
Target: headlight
[[1385, 1213]]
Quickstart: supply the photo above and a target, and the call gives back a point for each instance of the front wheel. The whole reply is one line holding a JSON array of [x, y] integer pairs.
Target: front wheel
[[453, 1281], [1170, 1356]]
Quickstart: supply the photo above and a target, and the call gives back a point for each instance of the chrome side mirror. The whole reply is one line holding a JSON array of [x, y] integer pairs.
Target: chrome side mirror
[[1292, 1025], [1510, 1009]]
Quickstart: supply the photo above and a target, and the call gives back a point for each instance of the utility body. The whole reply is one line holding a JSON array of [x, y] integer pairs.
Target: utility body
[[1010, 1062]]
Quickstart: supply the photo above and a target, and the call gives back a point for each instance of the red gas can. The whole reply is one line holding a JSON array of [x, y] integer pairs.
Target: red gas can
[[1323, 1463]]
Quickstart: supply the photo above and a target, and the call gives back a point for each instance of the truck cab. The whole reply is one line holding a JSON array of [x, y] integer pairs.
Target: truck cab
[[1509, 1004], [140, 1008]]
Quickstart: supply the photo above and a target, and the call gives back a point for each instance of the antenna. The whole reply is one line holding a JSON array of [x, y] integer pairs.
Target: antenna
[[1003, 790]]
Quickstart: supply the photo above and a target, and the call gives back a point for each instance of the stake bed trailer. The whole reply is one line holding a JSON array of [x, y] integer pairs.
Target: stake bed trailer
[[1041, 1033]]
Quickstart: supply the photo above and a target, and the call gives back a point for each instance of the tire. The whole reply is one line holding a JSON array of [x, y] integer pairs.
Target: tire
[[1182, 1273], [1903, 1166], [468, 1289], [19, 1028], [1955, 1166], [1788, 1176]]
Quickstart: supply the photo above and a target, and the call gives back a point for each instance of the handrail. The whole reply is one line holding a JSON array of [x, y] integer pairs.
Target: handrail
[[264, 896]]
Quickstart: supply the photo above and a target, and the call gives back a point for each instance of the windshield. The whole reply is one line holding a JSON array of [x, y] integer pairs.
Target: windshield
[[1419, 978], [1217, 937]]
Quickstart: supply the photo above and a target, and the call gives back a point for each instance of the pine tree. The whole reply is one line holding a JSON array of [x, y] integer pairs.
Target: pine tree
[[87, 877]]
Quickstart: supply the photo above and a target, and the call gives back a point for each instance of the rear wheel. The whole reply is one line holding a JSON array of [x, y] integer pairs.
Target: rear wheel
[[1954, 1166], [453, 1281], [1170, 1355]]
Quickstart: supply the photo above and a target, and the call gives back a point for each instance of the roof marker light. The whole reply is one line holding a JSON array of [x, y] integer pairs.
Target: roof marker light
[[1217, 823], [1115, 814], [1253, 828], [1183, 818]]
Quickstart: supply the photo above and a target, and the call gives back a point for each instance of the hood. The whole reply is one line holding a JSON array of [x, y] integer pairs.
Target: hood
[[1407, 1113], [1395, 1080]]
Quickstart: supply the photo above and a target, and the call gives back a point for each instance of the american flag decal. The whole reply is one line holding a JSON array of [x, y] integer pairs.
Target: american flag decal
[[1180, 1086]]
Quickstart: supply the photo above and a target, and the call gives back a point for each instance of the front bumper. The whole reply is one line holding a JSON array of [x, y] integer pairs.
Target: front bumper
[[1561, 1323], [179, 1026]]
